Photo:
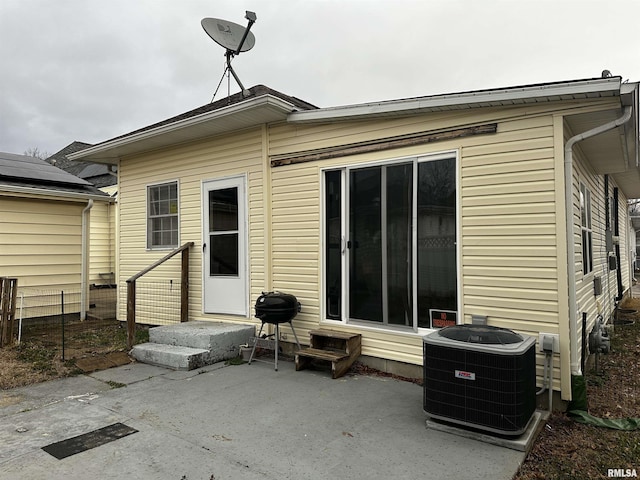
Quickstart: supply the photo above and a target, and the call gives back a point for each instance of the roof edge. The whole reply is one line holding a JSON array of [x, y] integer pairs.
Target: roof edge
[[611, 85], [44, 192], [263, 100]]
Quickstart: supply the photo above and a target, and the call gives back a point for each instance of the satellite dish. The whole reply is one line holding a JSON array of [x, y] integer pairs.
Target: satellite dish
[[228, 34], [234, 38]]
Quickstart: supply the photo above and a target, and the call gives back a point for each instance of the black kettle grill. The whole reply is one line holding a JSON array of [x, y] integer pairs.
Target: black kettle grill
[[276, 308]]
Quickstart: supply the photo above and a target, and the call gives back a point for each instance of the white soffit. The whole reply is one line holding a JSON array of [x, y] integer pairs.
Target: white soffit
[[252, 112], [628, 182]]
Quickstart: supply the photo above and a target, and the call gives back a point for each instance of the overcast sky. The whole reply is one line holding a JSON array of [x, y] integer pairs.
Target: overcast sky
[[90, 70]]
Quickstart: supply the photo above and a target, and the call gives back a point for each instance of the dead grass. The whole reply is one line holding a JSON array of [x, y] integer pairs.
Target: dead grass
[[566, 450], [15, 372], [87, 350]]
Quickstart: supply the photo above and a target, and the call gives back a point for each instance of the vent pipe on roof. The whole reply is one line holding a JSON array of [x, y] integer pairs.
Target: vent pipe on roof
[[568, 195]]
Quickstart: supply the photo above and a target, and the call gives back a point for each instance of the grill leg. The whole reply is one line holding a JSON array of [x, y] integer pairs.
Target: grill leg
[[255, 344], [277, 337], [294, 335]]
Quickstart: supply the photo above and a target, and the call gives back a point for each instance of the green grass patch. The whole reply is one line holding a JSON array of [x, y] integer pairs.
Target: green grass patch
[[235, 361]]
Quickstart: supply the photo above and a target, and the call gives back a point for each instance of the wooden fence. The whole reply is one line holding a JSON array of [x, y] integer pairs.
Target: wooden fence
[[8, 294]]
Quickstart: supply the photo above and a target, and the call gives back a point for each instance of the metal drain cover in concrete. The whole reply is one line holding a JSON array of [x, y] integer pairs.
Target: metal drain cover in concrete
[[87, 441]]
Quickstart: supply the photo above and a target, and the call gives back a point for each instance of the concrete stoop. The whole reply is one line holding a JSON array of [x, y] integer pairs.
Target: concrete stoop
[[190, 345]]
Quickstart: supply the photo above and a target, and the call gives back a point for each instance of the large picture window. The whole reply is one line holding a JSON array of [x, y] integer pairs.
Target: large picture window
[[587, 234], [390, 242], [162, 215]]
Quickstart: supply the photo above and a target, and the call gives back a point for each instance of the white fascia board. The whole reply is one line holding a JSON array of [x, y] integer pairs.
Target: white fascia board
[[629, 88], [15, 190], [467, 100], [221, 113]]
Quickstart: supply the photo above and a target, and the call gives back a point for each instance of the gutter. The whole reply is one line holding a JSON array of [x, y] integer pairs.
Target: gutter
[[72, 196], [84, 274], [568, 194], [531, 94]]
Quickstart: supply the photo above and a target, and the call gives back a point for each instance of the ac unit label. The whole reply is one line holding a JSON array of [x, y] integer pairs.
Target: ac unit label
[[465, 375]]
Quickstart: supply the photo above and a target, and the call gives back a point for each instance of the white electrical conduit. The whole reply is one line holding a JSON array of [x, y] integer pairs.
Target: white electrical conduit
[[20, 321], [568, 191], [547, 379], [544, 375]]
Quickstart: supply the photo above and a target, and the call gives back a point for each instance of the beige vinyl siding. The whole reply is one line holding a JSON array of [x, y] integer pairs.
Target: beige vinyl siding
[[112, 191], [510, 230], [509, 227], [40, 242], [287, 138], [508, 221], [191, 164], [41, 246], [296, 231], [587, 301], [101, 243]]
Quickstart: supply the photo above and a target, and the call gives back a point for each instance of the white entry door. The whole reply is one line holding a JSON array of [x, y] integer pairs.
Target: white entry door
[[224, 246]]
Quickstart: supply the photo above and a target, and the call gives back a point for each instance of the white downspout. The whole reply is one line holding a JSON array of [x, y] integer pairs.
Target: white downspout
[[568, 195], [85, 261]]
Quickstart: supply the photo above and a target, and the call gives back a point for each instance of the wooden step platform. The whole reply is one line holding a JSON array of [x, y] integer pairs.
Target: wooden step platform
[[339, 348]]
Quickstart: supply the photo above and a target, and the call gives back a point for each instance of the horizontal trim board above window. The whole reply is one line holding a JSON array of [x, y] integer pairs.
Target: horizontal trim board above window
[[383, 144]]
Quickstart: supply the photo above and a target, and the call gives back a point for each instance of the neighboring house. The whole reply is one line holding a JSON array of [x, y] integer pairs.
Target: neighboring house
[[102, 231], [98, 174], [393, 218], [45, 215]]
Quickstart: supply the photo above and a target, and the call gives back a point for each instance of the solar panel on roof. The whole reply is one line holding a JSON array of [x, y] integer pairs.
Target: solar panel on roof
[[34, 169], [93, 170]]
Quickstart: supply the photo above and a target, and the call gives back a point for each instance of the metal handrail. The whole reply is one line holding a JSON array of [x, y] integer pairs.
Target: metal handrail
[[184, 289]]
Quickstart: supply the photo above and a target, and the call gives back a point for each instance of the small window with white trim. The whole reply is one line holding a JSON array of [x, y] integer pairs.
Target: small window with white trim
[[162, 215], [587, 234]]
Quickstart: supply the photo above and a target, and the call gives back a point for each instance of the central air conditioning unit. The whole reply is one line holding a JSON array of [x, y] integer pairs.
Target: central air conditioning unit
[[480, 376]]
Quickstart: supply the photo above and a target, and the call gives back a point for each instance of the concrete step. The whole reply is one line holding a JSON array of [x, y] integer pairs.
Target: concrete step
[[207, 335], [190, 345], [170, 356]]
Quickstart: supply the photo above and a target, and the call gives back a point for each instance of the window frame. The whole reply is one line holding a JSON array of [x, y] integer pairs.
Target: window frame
[[344, 170], [150, 218], [586, 228]]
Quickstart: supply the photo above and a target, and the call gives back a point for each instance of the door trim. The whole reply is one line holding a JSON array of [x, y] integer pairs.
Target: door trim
[[204, 239]]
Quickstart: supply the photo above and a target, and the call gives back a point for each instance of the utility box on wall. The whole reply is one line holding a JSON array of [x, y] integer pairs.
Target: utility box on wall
[[597, 286], [608, 240]]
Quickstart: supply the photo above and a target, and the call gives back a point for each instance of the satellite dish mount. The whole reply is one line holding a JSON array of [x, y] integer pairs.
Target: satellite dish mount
[[235, 39]]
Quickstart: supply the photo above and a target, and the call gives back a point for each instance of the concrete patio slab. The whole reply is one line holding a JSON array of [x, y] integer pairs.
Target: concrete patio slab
[[241, 422]]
